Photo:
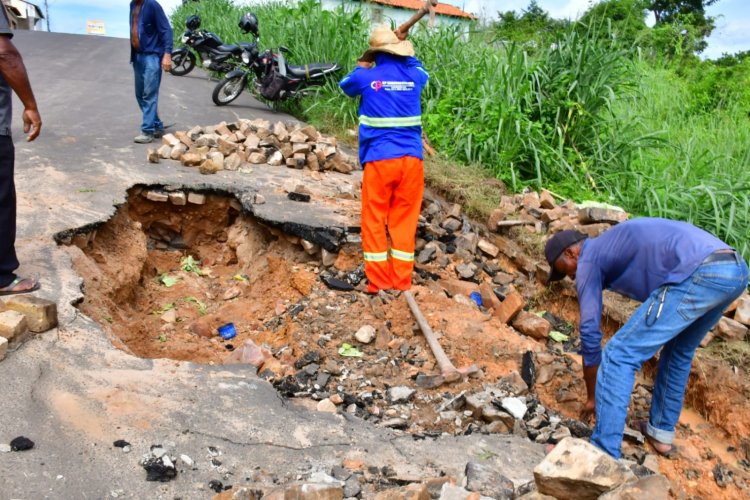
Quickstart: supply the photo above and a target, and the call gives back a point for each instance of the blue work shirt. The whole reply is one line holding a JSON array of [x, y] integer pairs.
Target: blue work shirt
[[634, 258], [154, 31], [390, 112]]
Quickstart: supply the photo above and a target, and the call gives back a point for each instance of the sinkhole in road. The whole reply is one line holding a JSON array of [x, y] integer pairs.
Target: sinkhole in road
[[168, 269]]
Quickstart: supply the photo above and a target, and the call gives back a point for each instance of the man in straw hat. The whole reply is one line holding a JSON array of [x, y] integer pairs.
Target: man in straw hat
[[389, 80], [685, 278]]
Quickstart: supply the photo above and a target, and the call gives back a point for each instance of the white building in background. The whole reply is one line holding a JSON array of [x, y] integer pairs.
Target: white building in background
[[23, 15], [398, 11]]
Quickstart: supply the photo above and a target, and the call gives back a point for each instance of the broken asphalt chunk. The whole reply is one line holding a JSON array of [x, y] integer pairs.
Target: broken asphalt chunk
[[21, 443], [337, 284], [295, 196]]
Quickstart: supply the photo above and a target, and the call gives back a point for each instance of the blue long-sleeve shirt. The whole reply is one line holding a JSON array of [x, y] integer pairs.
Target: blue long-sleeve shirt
[[154, 31], [634, 258], [390, 112]]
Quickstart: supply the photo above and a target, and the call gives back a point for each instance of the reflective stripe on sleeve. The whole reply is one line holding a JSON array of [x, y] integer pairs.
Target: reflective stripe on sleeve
[[405, 256], [375, 256], [406, 121]]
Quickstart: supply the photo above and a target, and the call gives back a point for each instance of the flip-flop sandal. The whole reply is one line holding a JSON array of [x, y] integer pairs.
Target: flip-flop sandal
[[11, 288], [641, 426]]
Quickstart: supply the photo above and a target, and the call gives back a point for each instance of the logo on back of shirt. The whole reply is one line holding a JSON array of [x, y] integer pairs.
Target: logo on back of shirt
[[392, 86]]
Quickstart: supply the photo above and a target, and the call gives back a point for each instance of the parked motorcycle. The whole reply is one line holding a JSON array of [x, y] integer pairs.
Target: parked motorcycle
[[207, 47], [271, 76]]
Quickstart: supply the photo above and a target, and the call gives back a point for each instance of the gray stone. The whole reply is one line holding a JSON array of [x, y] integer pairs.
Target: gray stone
[[654, 487], [488, 481], [488, 248], [400, 394], [596, 215], [532, 325], [514, 406], [466, 271], [576, 469], [729, 329], [159, 196], [742, 313], [5, 448], [451, 224], [366, 334], [467, 242], [352, 488]]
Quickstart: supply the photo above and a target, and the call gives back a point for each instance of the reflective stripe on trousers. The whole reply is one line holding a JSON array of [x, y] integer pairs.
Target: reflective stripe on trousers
[[391, 202]]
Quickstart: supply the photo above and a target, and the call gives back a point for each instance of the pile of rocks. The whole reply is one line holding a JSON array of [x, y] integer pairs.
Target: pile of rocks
[[733, 326], [240, 145], [22, 315]]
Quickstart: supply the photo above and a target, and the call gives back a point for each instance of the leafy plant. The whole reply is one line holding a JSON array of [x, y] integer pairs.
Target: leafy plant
[[190, 265], [202, 308], [167, 280], [164, 308]]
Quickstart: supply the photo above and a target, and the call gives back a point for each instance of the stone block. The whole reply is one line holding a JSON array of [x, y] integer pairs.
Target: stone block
[[226, 147], [41, 314], [594, 215], [578, 470], [298, 137], [196, 198], [280, 131], [532, 325], [531, 201], [164, 152], [170, 140], [178, 198], [488, 481], [257, 158], [729, 329], [233, 162], [742, 313], [654, 487], [546, 200], [12, 324], [488, 248], [553, 214], [3, 348], [191, 159], [195, 132], [459, 287], [184, 138], [159, 196], [510, 307]]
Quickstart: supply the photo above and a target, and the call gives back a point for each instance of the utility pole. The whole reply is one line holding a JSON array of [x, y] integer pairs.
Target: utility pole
[[46, 14]]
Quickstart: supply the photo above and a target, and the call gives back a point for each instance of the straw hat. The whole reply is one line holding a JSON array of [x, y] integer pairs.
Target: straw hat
[[383, 39]]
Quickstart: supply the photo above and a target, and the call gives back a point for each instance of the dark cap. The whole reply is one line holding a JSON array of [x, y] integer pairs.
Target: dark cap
[[556, 246]]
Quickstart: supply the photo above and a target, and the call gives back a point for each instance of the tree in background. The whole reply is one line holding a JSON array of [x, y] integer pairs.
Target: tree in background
[[625, 19], [533, 26], [682, 26]]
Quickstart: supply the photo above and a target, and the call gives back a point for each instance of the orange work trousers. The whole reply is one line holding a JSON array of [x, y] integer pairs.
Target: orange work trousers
[[391, 202]]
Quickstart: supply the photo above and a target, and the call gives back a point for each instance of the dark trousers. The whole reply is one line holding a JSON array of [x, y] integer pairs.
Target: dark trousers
[[8, 259]]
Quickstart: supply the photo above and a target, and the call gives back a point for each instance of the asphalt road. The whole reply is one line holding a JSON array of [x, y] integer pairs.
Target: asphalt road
[[74, 394]]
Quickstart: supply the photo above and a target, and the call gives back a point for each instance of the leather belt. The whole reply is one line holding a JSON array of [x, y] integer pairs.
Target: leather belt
[[721, 255]]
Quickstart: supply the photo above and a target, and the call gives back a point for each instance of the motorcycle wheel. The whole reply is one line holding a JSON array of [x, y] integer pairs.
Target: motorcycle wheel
[[182, 63], [228, 90]]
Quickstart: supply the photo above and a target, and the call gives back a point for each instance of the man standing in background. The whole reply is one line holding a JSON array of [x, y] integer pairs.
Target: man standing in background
[[150, 52], [13, 78]]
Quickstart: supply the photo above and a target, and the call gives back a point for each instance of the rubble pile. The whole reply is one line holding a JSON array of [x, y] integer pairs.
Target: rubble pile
[[246, 143]]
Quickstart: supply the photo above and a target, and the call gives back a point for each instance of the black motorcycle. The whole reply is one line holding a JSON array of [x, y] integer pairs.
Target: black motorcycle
[[208, 48], [270, 75]]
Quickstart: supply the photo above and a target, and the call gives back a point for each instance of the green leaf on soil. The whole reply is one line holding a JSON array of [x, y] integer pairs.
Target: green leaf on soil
[[202, 308], [162, 338], [540, 313], [167, 280], [165, 308], [239, 277], [190, 265], [558, 336], [349, 351]]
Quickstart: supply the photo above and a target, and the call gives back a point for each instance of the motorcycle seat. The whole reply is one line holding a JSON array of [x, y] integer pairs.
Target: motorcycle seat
[[234, 49], [311, 70]]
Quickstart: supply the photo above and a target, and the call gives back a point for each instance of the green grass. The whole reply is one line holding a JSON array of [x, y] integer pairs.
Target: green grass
[[584, 116]]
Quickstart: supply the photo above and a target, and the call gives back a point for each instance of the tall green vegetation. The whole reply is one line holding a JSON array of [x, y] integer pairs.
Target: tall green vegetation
[[592, 110]]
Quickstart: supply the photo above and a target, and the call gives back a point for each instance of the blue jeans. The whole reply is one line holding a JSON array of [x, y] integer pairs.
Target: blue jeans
[[674, 318], [147, 70]]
